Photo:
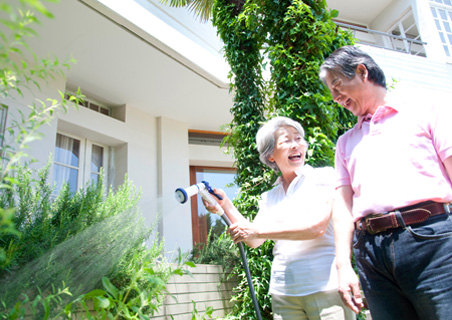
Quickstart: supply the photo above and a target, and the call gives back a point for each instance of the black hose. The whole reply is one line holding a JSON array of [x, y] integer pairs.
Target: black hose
[[247, 272]]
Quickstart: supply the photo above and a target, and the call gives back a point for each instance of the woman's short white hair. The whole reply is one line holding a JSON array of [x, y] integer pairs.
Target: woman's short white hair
[[265, 138]]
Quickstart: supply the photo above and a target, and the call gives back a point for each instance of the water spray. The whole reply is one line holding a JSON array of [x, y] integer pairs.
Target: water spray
[[207, 193]]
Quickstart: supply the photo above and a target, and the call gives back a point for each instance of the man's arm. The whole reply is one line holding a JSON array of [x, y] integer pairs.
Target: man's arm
[[448, 165], [348, 288]]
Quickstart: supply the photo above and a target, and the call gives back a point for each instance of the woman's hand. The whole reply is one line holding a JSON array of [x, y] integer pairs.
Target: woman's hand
[[242, 232], [240, 229], [211, 208]]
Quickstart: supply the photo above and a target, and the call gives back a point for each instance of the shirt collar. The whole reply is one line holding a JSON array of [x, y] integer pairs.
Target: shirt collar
[[300, 172], [381, 112]]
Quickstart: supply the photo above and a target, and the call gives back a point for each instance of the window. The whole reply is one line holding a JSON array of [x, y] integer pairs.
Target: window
[[77, 162], [203, 221], [406, 31], [208, 138], [92, 105], [442, 14]]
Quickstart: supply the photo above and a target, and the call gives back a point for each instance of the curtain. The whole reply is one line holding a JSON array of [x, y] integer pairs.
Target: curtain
[[66, 164]]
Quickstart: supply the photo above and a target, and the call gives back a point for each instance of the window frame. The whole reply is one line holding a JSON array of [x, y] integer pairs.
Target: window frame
[[443, 32], [85, 159], [408, 47], [198, 236]]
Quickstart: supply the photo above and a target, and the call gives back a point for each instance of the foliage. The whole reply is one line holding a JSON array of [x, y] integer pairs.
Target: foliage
[[295, 37], [299, 41], [219, 250], [140, 296], [242, 47], [21, 69], [59, 233], [64, 248], [207, 313], [39, 306], [202, 9], [44, 221], [145, 272]]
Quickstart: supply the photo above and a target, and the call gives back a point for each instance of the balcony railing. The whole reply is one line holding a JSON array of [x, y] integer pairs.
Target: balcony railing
[[386, 40]]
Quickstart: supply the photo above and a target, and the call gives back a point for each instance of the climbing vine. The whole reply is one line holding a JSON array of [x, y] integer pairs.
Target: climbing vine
[[292, 37]]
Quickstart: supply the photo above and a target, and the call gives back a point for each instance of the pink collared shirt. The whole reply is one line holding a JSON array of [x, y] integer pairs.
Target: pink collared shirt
[[394, 158]]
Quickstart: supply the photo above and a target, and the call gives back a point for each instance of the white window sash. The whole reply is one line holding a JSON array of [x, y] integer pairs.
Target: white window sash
[[85, 162]]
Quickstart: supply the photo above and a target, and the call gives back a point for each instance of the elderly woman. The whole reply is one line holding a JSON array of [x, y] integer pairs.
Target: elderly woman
[[296, 214]]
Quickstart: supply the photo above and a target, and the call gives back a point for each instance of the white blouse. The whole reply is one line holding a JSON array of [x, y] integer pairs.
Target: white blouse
[[301, 267]]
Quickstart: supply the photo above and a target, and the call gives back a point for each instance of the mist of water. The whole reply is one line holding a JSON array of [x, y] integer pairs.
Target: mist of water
[[80, 262]]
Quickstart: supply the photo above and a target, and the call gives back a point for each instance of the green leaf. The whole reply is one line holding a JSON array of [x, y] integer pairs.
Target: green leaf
[[334, 13], [104, 303], [190, 264], [95, 293], [111, 289]]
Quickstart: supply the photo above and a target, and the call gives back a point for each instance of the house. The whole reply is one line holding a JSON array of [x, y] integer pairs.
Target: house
[[152, 78], [157, 92]]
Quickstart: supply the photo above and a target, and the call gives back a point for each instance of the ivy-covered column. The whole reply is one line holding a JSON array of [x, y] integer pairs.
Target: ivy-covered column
[[243, 44], [296, 36], [301, 36]]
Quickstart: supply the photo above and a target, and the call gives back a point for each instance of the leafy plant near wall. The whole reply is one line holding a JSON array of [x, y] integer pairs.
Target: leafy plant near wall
[[45, 221], [219, 250], [53, 248], [295, 36], [79, 253], [21, 69]]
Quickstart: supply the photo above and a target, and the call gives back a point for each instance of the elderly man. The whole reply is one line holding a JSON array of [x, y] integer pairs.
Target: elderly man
[[393, 192]]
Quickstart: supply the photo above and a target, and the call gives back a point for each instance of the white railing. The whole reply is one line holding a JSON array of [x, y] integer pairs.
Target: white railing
[[386, 40]]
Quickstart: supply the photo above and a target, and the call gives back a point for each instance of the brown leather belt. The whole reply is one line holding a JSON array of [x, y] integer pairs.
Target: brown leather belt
[[379, 222]]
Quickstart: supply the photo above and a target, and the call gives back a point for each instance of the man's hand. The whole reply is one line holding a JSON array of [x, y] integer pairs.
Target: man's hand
[[349, 289]]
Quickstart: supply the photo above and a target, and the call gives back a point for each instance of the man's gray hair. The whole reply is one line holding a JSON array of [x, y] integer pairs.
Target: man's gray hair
[[345, 61], [265, 138]]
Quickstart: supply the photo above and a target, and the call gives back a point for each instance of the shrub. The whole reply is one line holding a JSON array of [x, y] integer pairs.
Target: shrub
[[44, 221], [219, 249], [72, 244]]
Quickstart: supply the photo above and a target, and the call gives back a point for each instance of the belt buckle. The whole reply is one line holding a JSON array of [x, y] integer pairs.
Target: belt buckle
[[372, 216]]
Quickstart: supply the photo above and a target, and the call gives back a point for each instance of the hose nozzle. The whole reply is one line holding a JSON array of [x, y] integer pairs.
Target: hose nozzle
[[182, 195], [204, 189]]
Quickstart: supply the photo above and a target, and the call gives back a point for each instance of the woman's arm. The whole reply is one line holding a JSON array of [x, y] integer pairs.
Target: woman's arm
[[306, 217], [310, 221], [303, 216], [240, 226]]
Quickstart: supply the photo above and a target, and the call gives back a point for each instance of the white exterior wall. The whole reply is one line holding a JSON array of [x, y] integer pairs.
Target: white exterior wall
[[428, 31], [153, 152], [175, 219], [212, 156], [413, 74], [423, 16], [39, 149]]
